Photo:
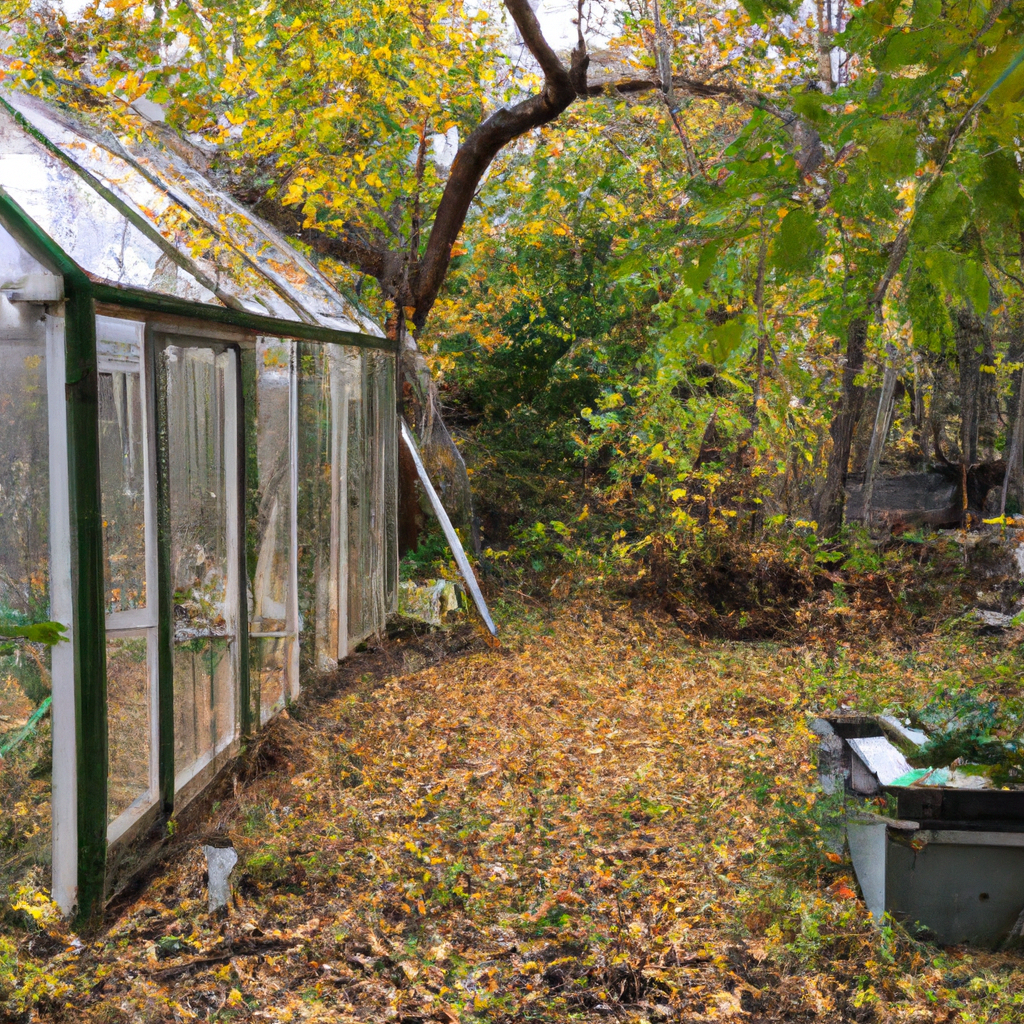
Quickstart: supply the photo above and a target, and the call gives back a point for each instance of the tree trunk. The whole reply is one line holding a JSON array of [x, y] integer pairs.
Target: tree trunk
[[921, 414], [970, 345], [1013, 454], [1013, 485], [829, 512], [883, 418], [823, 46]]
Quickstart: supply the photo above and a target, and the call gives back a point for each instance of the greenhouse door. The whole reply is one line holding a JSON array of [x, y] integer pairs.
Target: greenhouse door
[[199, 434], [129, 541]]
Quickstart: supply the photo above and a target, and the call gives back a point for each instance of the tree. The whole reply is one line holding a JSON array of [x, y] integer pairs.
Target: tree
[[328, 119], [813, 199]]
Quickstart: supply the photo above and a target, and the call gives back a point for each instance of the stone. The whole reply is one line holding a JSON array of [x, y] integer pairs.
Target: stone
[[220, 860]]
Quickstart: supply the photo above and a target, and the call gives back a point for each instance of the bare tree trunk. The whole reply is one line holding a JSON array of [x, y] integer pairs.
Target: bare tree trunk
[[1013, 456], [969, 347], [883, 419], [921, 411], [1013, 485], [823, 45], [831, 501]]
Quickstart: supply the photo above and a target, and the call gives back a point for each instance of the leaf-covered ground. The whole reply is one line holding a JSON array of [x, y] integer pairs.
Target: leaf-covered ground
[[596, 820]]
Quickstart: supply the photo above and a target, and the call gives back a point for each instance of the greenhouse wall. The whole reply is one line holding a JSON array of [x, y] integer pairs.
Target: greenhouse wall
[[248, 503], [198, 484], [35, 584]]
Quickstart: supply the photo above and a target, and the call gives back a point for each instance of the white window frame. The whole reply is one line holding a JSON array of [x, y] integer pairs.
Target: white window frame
[[138, 621]]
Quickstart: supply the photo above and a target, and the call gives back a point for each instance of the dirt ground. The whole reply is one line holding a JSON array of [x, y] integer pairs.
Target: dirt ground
[[597, 819]]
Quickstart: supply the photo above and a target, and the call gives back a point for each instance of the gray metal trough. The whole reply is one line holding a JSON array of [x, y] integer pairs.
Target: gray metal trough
[[950, 865]]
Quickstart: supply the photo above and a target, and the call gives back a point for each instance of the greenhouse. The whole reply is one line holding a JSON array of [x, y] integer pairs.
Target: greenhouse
[[197, 480]]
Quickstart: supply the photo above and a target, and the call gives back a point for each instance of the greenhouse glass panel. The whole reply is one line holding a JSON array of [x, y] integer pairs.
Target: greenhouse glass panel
[[273, 620], [129, 723], [24, 462], [123, 463], [27, 333], [198, 450], [129, 563], [160, 225], [123, 486], [199, 394], [384, 382], [359, 504], [98, 236], [319, 426], [25, 768], [204, 718], [269, 672], [271, 583], [366, 500]]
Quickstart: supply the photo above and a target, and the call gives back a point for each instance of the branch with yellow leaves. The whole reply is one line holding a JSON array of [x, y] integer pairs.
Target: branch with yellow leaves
[[561, 87]]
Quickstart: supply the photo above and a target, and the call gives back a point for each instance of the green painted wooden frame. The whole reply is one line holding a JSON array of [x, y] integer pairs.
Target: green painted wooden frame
[[89, 627]]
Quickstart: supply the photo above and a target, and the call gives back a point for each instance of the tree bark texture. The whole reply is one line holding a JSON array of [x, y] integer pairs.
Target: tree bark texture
[[1013, 485], [883, 419], [1013, 452], [829, 512], [823, 45], [970, 348]]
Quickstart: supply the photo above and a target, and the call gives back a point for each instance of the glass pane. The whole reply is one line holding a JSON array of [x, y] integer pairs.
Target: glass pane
[[26, 766], [366, 502], [316, 429], [25, 680], [196, 423], [18, 268], [385, 378], [128, 728], [122, 480], [24, 471], [87, 227], [268, 674], [204, 706], [225, 249], [273, 515], [360, 503]]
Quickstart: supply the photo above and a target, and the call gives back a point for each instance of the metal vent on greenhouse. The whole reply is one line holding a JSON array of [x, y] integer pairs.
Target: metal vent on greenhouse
[[198, 479]]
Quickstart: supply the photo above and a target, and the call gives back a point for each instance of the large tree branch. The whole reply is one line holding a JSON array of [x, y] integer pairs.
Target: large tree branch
[[561, 86]]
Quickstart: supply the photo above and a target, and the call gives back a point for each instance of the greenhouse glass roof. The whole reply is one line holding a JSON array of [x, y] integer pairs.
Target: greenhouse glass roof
[[132, 210]]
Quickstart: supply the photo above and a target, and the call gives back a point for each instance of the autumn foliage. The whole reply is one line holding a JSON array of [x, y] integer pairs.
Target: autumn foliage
[[598, 818]]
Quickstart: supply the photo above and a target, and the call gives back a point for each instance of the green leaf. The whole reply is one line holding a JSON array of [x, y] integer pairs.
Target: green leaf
[[723, 342], [892, 147], [762, 10], [797, 243], [998, 192], [49, 633], [943, 213], [810, 106], [871, 22], [975, 285], [696, 276]]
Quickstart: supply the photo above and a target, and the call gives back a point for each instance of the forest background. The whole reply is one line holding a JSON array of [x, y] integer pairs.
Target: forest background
[[667, 288]]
